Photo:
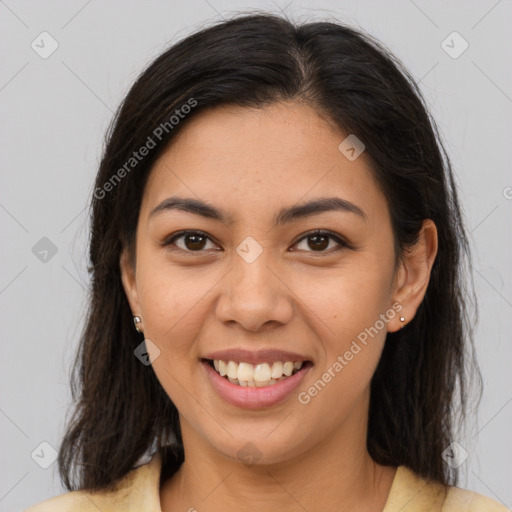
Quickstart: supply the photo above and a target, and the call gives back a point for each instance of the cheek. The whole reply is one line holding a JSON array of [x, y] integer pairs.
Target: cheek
[[349, 305], [170, 302], [347, 300], [172, 313], [351, 345]]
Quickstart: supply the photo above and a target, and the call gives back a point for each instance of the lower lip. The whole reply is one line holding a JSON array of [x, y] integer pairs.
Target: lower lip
[[254, 398]]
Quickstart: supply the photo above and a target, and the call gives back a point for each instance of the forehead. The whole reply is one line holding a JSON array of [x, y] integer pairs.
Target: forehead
[[252, 161]]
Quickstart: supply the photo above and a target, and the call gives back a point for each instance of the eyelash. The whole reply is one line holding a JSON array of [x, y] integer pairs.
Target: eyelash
[[343, 244]]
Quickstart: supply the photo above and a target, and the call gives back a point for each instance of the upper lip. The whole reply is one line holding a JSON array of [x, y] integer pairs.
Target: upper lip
[[270, 355]]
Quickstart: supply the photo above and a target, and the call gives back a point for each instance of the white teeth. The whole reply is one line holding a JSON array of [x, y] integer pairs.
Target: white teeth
[[262, 373], [288, 368], [232, 370], [245, 372], [259, 375], [277, 370]]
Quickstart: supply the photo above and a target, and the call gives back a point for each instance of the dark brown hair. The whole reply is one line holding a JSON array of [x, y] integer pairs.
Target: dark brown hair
[[122, 412]]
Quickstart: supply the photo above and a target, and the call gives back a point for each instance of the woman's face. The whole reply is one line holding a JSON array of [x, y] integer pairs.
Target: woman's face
[[257, 280]]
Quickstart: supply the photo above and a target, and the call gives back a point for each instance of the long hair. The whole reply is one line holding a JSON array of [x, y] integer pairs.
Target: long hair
[[121, 410]]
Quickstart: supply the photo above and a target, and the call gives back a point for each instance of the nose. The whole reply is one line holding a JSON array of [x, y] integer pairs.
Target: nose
[[254, 295]]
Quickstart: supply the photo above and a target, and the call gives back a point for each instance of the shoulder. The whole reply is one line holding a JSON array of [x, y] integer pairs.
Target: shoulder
[[458, 500], [71, 501], [137, 490], [409, 492]]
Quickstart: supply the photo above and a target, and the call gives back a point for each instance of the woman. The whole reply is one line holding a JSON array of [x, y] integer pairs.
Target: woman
[[277, 318]]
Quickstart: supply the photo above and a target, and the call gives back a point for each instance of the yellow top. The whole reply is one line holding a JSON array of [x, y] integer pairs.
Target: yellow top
[[139, 491]]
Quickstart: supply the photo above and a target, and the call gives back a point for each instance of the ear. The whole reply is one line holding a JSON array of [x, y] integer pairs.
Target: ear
[[413, 275], [129, 283]]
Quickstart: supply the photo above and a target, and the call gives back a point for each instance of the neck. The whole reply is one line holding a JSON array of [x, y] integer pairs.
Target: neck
[[338, 473]]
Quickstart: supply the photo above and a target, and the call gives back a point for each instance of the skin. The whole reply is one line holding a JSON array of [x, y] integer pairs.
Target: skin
[[251, 163]]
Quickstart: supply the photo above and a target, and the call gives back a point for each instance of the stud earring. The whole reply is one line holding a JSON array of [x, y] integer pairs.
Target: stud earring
[[402, 319], [136, 322]]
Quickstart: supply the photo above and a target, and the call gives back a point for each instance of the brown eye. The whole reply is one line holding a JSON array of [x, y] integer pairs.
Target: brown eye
[[319, 241], [190, 241], [194, 242]]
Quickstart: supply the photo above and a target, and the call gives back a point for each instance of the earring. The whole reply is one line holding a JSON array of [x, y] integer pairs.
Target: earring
[[136, 322], [402, 319]]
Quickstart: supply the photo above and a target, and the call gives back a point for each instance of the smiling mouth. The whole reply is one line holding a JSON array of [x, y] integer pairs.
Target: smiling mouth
[[256, 375]]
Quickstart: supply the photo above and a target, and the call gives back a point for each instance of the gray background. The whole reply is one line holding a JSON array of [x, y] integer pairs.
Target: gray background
[[55, 111]]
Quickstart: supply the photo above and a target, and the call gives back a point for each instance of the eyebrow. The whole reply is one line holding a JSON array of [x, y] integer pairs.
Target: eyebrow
[[284, 216]]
